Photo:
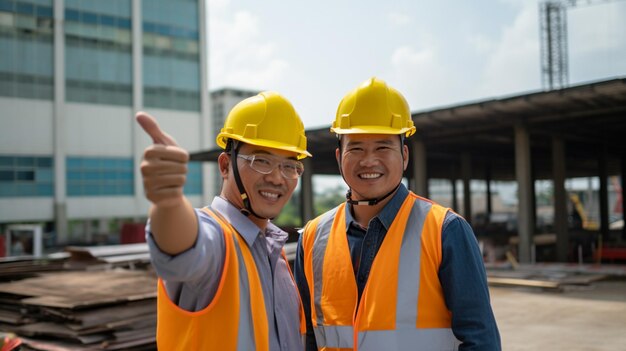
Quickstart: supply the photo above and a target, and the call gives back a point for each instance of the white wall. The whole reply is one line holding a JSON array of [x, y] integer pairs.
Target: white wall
[[105, 207], [91, 130], [25, 126], [17, 209], [113, 207], [98, 130], [181, 125]]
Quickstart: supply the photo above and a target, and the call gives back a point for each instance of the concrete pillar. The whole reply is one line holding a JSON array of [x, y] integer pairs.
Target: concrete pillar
[[137, 132], [524, 180], [489, 208], [207, 134], [87, 232], [103, 226], [604, 193], [466, 174], [418, 155], [623, 186], [60, 199], [560, 199], [455, 202], [307, 211]]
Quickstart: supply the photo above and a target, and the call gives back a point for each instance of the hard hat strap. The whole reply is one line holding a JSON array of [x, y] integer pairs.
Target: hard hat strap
[[370, 202], [247, 206]]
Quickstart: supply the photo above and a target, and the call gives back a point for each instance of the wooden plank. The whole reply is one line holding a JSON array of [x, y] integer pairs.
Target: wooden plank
[[524, 282], [138, 257], [148, 340], [54, 345], [114, 313], [128, 335], [106, 250], [13, 317], [59, 330], [141, 320], [83, 289], [582, 279]]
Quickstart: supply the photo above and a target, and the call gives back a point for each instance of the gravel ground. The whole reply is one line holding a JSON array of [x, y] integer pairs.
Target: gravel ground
[[581, 318]]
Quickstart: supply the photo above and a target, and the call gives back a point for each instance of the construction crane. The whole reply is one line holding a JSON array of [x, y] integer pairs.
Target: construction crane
[[553, 32]]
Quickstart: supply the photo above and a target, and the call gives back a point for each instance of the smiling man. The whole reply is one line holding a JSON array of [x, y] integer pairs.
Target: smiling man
[[388, 269], [224, 281]]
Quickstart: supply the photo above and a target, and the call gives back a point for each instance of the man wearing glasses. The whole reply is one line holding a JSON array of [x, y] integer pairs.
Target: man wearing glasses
[[224, 281]]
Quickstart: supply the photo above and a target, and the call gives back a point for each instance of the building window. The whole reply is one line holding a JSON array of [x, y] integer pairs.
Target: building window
[[26, 65], [26, 176], [171, 67], [105, 176], [98, 52], [193, 186]]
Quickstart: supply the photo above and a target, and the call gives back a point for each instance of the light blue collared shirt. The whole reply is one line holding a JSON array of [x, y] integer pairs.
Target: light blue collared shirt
[[191, 278]]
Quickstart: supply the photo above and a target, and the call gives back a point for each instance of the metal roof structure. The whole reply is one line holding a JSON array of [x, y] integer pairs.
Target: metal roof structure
[[591, 118], [558, 134]]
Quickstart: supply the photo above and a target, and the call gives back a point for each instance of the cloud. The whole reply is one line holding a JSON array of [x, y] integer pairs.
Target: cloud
[[597, 28], [596, 42], [241, 56], [481, 44], [514, 63], [406, 55], [417, 74], [398, 19], [218, 4]]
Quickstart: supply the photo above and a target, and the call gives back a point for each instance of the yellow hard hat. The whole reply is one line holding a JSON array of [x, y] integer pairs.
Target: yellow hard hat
[[266, 119], [373, 108]]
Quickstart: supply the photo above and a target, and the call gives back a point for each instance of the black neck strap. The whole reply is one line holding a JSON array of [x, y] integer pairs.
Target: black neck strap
[[247, 206], [368, 202]]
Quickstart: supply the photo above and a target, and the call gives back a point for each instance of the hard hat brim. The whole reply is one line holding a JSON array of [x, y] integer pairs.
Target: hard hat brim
[[265, 143], [374, 130]]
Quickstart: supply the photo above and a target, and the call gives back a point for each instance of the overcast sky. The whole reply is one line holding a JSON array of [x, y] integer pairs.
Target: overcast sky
[[437, 53]]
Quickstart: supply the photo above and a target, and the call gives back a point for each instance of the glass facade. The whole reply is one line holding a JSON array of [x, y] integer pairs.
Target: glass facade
[[98, 51], [91, 176], [171, 59], [26, 176], [26, 49], [193, 186], [98, 70], [111, 176]]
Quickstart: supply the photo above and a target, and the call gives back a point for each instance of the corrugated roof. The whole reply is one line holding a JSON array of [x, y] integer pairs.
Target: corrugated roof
[[589, 117]]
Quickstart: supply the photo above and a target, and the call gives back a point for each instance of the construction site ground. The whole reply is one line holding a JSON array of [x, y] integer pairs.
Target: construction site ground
[[578, 318]]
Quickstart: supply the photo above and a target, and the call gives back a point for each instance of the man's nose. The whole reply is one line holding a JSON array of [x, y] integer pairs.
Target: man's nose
[[369, 159], [275, 176]]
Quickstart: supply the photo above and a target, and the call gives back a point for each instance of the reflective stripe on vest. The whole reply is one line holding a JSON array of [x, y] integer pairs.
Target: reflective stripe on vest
[[398, 259], [235, 319]]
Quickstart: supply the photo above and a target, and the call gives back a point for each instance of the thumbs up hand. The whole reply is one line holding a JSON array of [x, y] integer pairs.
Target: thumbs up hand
[[164, 165]]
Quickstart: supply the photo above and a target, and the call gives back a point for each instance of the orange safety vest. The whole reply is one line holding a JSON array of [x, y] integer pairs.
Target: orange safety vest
[[238, 302], [402, 306]]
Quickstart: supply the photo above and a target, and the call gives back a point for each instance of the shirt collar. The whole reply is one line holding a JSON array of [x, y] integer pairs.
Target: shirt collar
[[388, 213], [243, 225]]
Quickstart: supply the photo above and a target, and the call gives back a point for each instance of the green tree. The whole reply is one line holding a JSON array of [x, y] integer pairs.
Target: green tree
[[329, 199]]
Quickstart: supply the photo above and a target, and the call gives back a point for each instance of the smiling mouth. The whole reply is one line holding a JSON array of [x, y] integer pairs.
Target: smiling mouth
[[370, 175], [269, 195]]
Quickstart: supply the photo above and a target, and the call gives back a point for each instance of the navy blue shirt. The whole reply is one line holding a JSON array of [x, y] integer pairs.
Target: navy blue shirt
[[461, 274]]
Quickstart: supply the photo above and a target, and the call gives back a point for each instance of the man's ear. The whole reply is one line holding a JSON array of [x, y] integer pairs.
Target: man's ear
[[405, 152], [223, 162]]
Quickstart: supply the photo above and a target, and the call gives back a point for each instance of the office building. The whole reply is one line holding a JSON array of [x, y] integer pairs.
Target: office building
[[72, 75]]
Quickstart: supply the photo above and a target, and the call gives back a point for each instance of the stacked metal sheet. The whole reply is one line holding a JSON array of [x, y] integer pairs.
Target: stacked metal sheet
[[85, 304]]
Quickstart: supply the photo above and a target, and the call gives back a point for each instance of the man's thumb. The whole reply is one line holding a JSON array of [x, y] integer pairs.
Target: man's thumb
[[151, 127]]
